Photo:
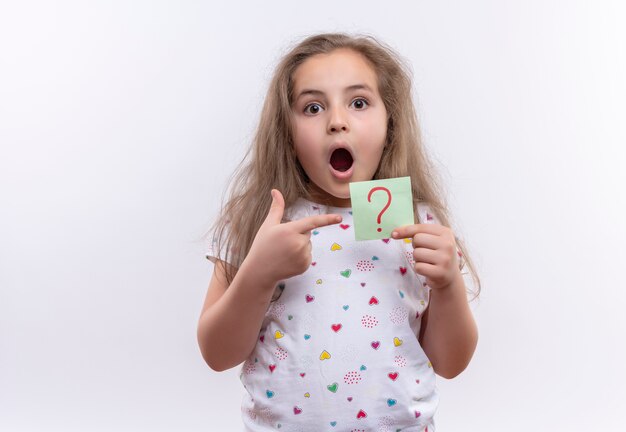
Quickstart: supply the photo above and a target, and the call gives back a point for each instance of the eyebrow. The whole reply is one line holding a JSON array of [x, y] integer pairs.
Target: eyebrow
[[347, 89]]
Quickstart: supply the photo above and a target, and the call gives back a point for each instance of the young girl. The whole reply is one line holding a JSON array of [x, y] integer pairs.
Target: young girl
[[336, 334]]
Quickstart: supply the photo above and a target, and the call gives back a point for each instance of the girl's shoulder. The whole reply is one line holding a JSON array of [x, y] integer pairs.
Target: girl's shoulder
[[425, 213], [299, 209], [302, 208]]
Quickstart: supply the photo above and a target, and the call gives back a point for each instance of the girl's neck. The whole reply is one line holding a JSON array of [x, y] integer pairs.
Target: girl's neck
[[324, 198]]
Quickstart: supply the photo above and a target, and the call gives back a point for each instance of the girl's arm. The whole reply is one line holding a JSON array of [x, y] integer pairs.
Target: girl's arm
[[231, 318], [448, 334]]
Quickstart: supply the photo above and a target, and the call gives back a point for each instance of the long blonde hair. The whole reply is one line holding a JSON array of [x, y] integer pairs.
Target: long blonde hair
[[271, 160]]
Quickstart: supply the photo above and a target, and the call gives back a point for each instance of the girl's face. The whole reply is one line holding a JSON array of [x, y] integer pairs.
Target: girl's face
[[340, 122]]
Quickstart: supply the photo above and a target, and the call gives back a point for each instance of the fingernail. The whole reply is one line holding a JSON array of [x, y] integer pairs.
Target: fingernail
[[394, 234]]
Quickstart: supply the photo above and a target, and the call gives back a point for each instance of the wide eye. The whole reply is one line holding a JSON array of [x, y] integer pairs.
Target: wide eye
[[316, 108], [360, 103]]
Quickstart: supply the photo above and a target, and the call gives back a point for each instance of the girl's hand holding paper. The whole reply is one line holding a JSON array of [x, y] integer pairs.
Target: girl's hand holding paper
[[434, 253]]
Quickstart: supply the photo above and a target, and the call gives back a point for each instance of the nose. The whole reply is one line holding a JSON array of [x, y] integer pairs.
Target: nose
[[338, 121]]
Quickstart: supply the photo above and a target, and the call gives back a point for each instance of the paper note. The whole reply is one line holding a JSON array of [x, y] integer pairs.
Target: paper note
[[379, 206]]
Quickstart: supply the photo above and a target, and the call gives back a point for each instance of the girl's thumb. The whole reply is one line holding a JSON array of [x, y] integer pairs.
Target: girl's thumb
[[275, 214]]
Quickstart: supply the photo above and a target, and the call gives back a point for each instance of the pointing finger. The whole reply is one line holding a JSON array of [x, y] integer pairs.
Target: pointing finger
[[310, 223]]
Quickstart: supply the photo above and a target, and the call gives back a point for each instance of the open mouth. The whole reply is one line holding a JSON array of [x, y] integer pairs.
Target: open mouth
[[341, 160]]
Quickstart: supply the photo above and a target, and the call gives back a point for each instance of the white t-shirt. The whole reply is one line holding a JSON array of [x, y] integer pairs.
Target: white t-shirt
[[338, 350]]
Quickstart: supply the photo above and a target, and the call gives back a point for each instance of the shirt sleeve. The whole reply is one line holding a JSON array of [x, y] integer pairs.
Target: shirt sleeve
[[214, 252]]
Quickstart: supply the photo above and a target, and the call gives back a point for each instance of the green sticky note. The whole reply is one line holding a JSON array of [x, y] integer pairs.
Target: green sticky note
[[379, 206]]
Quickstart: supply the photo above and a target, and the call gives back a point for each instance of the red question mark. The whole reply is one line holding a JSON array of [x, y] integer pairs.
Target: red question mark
[[369, 199]]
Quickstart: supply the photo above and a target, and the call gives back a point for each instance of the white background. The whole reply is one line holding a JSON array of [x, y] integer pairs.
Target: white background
[[120, 123]]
